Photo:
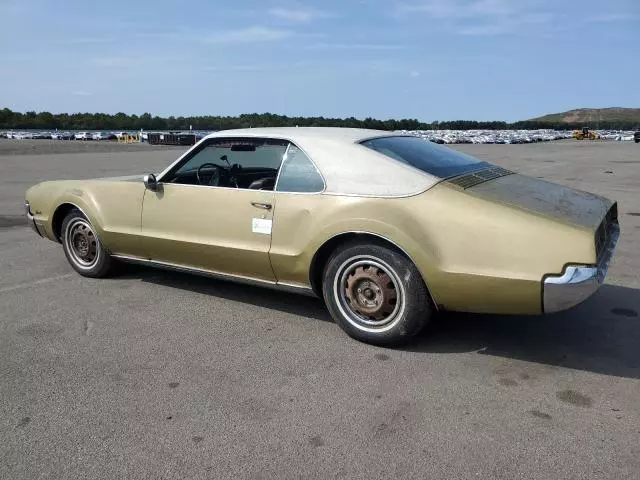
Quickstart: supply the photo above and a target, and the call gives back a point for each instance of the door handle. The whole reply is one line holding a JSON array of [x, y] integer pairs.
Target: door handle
[[265, 206]]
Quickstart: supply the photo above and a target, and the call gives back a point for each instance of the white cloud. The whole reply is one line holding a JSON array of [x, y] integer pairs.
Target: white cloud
[[414, 74], [300, 15], [81, 93], [490, 29], [249, 35], [478, 17], [433, 8], [353, 46], [609, 17], [457, 9]]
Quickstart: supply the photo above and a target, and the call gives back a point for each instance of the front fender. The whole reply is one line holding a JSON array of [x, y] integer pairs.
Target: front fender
[[113, 208], [46, 198], [83, 201]]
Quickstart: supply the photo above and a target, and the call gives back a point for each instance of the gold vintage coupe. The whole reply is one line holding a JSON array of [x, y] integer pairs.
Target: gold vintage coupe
[[387, 228]]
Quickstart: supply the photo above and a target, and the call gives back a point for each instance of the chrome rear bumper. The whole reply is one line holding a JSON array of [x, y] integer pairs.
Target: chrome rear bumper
[[577, 282]]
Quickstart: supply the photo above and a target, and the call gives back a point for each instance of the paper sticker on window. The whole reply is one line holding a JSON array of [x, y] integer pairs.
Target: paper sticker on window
[[261, 225]]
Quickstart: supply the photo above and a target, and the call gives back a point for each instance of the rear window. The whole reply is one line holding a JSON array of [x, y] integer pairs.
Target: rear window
[[424, 155]]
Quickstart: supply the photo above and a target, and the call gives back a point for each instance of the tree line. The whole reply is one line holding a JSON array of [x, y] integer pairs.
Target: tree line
[[122, 121]]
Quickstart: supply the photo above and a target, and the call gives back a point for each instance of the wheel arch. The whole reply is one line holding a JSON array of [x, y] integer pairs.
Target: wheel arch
[[59, 215], [323, 253]]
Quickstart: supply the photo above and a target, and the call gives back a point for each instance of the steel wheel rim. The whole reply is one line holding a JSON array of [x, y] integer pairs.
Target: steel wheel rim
[[82, 243], [376, 310]]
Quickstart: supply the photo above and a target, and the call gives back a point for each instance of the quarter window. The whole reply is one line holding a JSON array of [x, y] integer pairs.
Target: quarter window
[[298, 173]]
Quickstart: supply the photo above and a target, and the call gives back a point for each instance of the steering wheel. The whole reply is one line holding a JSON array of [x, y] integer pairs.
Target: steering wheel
[[215, 176]]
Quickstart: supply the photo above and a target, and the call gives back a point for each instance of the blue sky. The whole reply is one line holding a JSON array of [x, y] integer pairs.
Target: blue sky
[[425, 59]]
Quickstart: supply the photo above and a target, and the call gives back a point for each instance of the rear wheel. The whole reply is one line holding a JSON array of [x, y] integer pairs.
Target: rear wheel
[[375, 294], [82, 246]]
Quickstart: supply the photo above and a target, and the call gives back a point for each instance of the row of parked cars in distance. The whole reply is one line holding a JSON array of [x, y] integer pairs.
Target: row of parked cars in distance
[[61, 135], [514, 136], [436, 136]]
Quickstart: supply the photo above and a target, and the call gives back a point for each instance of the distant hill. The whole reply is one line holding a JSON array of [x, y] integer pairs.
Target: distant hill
[[593, 116]]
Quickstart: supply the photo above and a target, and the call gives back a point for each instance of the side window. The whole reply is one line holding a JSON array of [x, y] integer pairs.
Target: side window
[[208, 154], [298, 174], [250, 163]]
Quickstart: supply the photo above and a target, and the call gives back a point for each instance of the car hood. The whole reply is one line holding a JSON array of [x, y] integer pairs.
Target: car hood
[[561, 203]]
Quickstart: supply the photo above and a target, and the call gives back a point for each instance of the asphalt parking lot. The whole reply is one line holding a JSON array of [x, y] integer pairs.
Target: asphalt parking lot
[[159, 375]]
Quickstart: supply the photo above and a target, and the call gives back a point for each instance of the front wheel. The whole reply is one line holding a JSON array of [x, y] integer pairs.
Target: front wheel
[[82, 246], [376, 294]]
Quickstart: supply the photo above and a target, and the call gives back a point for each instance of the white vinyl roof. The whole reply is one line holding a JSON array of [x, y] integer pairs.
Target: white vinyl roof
[[347, 167], [350, 135]]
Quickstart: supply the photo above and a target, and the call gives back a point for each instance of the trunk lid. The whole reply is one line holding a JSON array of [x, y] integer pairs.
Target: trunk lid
[[564, 204]]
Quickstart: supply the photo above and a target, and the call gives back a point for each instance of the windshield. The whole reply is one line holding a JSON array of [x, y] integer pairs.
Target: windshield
[[424, 155]]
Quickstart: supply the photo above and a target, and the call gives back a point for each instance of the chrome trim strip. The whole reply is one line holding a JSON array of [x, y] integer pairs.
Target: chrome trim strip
[[284, 159], [577, 282], [362, 195], [297, 289], [233, 189], [216, 275], [361, 232], [385, 134]]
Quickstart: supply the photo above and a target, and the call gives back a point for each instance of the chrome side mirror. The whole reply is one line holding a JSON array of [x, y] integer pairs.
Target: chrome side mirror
[[150, 182]]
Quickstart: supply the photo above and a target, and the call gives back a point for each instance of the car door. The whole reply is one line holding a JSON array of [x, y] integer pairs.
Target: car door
[[213, 211]]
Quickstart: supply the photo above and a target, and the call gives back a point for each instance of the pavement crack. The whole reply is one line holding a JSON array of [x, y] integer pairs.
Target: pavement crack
[[86, 327]]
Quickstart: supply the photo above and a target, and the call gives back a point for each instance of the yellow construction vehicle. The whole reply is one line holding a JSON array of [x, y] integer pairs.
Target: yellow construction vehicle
[[585, 134]]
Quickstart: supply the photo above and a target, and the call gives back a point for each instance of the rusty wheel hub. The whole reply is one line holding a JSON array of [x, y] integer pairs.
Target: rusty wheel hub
[[83, 243], [370, 292]]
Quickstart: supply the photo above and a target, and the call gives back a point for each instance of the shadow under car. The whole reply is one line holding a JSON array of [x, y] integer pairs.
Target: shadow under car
[[602, 335]]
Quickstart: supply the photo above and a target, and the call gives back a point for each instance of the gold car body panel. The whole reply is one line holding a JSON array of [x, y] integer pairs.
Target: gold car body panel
[[113, 206], [511, 249], [214, 229]]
